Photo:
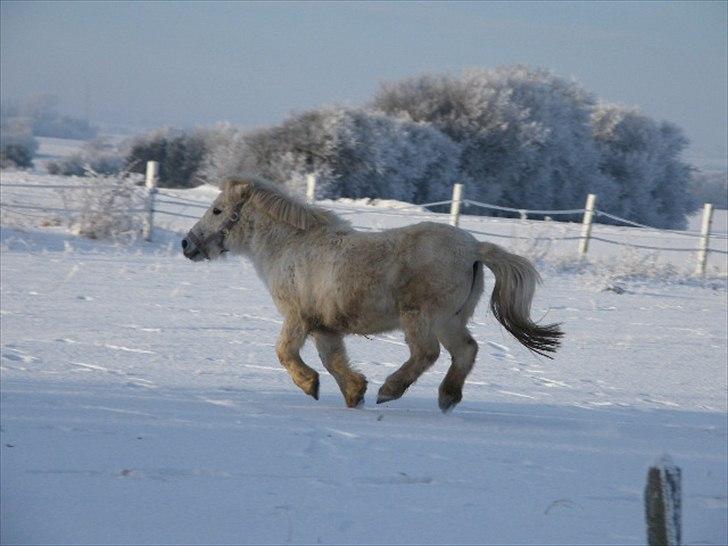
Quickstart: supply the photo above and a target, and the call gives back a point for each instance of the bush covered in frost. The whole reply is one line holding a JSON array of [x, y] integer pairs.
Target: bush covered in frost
[[17, 145], [179, 154], [642, 157], [533, 140], [525, 133]]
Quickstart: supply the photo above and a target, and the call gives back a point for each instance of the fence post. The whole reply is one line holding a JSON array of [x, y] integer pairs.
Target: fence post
[[151, 186], [586, 224], [703, 248], [457, 198], [663, 503], [310, 188]]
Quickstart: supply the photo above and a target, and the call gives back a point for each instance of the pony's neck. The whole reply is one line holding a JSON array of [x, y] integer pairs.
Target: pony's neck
[[269, 241]]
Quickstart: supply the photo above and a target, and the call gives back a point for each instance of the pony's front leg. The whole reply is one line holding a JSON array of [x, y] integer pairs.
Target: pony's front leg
[[331, 349], [292, 338]]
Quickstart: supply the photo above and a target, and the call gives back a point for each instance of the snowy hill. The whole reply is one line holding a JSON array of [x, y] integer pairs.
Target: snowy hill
[[142, 402]]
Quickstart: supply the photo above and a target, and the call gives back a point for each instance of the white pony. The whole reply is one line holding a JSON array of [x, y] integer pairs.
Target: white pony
[[329, 280]]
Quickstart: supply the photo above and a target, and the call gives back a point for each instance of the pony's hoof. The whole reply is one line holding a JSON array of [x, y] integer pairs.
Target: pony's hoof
[[448, 401], [355, 402], [383, 397], [313, 388], [386, 394], [359, 387]]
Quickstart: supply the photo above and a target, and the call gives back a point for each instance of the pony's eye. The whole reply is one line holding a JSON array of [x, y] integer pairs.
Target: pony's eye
[[216, 211]]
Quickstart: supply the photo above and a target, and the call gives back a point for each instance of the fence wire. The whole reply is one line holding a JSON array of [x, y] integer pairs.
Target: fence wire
[[182, 204], [522, 211]]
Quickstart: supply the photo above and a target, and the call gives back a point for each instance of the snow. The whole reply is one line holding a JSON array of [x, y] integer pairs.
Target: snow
[[142, 403]]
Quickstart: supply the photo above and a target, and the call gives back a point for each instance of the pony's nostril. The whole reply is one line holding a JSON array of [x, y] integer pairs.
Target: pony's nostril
[[184, 243]]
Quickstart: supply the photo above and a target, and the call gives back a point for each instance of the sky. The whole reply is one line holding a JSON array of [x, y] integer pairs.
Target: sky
[[184, 64]]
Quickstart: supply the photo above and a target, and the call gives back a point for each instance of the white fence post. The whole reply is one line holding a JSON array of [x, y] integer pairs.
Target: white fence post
[[586, 225], [310, 188], [663, 503], [151, 186], [704, 239], [457, 198]]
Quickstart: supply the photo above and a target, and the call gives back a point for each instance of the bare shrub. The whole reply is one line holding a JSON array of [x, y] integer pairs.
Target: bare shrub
[[112, 210]]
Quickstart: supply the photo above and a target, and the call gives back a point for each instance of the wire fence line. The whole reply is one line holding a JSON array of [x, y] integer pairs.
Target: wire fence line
[[183, 199], [521, 211], [177, 214], [182, 204], [169, 199], [646, 247]]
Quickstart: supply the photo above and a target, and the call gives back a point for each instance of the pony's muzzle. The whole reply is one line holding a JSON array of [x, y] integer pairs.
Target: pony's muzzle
[[190, 250]]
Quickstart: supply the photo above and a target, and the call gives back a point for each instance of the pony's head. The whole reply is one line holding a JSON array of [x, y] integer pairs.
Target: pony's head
[[230, 220], [206, 239]]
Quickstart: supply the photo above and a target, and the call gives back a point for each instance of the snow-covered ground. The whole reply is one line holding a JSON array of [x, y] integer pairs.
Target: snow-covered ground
[[142, 402]]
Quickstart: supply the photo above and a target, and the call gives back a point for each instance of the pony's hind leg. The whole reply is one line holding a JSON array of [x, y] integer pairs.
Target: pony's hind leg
[[463, 349], [291, 339], [424, 350], [331, 349]]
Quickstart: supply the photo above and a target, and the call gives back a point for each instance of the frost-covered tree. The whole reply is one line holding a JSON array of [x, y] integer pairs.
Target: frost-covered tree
[[642, 156], [525, 133], [17, 145], [180, 155], [352, 152]]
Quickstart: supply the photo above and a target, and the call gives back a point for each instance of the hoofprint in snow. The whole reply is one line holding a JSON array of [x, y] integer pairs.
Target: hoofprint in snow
[[142, 402]]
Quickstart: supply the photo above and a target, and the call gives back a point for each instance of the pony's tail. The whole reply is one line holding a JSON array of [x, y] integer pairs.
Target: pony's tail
[[515, 283]]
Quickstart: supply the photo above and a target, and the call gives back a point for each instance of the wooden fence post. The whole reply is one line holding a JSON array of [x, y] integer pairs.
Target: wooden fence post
[[151, 186], [586, 224], [663, 504], [457, 199], [703, 248], [310, 188]]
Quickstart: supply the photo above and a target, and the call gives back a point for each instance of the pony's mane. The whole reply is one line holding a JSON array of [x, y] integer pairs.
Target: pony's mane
[[278, 205]]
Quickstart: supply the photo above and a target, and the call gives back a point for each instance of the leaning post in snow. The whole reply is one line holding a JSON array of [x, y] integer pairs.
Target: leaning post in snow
[[151, 186], [310, 188], [663, 504], [703, 248], [457, 199], [586, 224]]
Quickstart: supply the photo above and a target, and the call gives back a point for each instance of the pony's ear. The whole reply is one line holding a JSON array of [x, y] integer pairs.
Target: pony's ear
[[236, 189]]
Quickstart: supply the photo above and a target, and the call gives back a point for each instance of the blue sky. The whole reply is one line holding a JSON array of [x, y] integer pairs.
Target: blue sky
[[147, 64]]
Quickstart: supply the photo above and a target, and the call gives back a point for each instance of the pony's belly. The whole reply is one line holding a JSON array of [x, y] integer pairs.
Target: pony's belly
[[379, 325], [361, 318]]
